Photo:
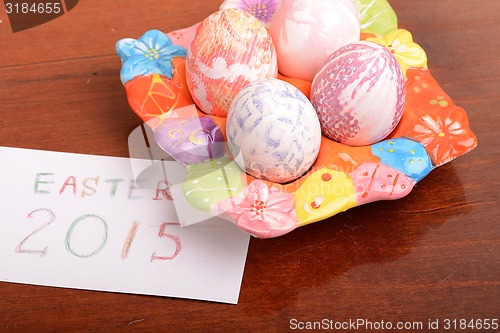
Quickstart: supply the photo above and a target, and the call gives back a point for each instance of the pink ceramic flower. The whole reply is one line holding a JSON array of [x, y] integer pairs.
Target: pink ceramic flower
[[261, 211], [263, 10]]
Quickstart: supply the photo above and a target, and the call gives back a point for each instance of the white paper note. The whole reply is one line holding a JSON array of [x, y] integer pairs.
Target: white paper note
[[82, 221]]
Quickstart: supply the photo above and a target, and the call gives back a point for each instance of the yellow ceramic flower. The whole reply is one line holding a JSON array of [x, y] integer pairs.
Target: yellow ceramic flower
[[400, 43]]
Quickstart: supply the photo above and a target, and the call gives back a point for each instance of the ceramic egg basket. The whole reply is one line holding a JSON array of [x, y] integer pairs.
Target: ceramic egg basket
[[432, 131]]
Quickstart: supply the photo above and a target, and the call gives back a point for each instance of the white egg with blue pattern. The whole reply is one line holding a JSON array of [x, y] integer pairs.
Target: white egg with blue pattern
[[273, 131]]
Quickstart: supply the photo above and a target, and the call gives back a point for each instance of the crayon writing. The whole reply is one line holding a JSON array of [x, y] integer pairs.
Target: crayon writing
[[86, 187], [38, 181], [130, 239], [45, 182], [87, 219], [175, 239], [69, 234], [163, 189], [52, 217]]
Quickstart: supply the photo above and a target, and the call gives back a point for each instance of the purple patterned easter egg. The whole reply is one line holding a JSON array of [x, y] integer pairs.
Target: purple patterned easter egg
[[190, 140], [273, 131], [359, 94], [230, 49]]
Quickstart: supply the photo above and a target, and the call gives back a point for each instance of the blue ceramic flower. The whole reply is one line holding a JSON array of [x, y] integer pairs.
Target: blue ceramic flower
[[150, 54], [404, 155]]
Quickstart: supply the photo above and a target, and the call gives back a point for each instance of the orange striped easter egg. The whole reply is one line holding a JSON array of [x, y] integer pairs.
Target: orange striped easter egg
[[230, 49]]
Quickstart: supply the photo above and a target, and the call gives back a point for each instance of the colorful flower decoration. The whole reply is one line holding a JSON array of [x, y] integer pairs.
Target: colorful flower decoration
[[261, 211], [432, 119], [445, 135], [150, 54], [210, 181], [377, 181], [432, 132], [324, 192], [406, 156], [376, 16], [263, 10], [191, 140], [400, 43]]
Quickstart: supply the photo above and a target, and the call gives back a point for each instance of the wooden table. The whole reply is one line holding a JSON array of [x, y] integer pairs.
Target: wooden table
[[434, 254]]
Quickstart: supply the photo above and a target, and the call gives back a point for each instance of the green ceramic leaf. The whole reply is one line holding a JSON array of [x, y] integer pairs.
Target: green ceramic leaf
[[376, 16]]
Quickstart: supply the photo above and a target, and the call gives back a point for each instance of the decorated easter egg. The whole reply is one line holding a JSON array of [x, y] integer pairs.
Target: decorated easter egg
[[306, 32], [273, 131], [359, 94], [230, 49]]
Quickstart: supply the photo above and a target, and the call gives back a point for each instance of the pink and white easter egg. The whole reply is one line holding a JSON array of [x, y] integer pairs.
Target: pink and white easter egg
[[273, 131], [306, 32], [359, 94], [230, 49]]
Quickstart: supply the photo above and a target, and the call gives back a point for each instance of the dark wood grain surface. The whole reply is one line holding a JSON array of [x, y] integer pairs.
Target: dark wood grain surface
[[434, 254]]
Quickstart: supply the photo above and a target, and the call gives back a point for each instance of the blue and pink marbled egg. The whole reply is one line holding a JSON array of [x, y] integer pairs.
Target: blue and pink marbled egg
[[273, 131], [359, 94]]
